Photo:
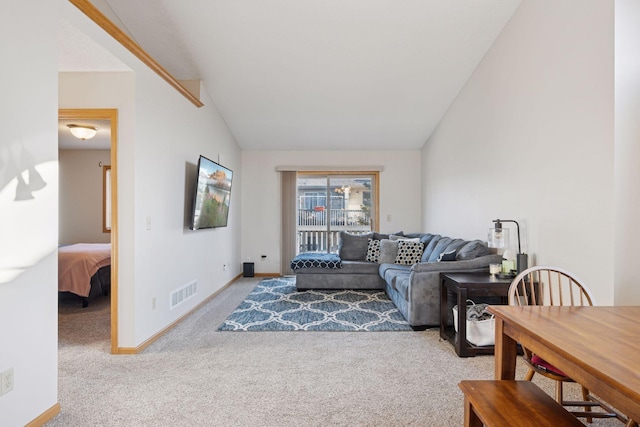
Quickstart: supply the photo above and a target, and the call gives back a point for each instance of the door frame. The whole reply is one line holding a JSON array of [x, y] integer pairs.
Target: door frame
[[329, 174], [110, 114]]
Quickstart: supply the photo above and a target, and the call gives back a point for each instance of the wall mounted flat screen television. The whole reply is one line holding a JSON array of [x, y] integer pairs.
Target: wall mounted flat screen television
[[212, 195]]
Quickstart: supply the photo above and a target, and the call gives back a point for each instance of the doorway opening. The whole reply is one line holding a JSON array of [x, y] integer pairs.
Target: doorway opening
[[108, 196]]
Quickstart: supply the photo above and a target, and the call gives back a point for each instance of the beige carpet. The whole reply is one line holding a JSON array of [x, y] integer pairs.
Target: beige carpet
[[198, 376]]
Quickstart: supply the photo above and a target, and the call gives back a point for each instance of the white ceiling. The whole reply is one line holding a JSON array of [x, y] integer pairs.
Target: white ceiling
[[320, 74], [78, 52]]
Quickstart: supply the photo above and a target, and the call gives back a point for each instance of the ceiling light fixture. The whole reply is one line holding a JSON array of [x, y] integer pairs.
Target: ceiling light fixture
[[83, 132]]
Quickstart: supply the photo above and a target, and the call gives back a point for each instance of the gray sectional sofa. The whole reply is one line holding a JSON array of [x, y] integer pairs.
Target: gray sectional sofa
[[413, 287]]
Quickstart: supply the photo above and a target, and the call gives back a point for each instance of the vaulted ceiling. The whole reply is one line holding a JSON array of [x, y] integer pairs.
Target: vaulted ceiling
[[320, 74]]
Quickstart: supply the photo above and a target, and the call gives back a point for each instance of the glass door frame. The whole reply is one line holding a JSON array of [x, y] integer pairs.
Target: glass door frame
[[327, 217]]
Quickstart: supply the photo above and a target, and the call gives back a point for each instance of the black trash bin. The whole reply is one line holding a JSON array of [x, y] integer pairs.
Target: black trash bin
[[247, 269]]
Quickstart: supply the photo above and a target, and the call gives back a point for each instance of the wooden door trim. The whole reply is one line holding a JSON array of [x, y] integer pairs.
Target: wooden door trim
[[110, 114]]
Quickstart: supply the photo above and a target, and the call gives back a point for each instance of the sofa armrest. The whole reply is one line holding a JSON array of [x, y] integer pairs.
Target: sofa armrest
[[470, 264]]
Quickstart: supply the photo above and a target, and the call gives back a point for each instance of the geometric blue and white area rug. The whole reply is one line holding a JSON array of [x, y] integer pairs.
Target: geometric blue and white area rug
[[276, 305]]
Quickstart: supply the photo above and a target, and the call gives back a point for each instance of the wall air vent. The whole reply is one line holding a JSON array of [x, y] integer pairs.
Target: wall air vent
[[182, 294]]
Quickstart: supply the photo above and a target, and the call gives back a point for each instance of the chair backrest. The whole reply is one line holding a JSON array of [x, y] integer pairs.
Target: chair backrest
[[546, 285]]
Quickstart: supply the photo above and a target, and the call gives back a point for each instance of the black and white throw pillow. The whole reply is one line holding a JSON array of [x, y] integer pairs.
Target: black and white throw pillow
[[373, 250], [409, 252]]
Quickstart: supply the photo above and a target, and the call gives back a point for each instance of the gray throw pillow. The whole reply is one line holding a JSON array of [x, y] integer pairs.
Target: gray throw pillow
[[353, 247], [388, 251], [473, 249]]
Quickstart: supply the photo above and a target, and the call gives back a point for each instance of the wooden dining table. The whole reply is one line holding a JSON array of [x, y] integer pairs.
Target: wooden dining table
[[597, 346]]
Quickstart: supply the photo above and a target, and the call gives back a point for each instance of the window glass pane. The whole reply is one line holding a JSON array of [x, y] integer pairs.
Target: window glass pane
[[350, 208], [106, 199]]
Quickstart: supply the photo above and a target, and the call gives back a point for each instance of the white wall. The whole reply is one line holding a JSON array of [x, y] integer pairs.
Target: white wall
[[530, 138], [261, 228], [169, 138], [81, 198], [627, 157], [160, 136], [29, 226]]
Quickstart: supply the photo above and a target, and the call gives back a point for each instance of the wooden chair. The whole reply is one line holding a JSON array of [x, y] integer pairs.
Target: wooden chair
[[545, 285]]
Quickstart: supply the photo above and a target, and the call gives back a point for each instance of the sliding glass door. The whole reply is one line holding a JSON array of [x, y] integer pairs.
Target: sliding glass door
[[329, 203]]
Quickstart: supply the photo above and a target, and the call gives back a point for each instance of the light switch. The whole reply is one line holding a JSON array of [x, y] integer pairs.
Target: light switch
[[148, 223]]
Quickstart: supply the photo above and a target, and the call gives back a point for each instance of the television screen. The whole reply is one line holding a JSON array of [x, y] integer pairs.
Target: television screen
[[212, 195]]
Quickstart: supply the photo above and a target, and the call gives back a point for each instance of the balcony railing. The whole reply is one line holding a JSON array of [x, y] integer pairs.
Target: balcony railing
[[312, 227], [342, 217]]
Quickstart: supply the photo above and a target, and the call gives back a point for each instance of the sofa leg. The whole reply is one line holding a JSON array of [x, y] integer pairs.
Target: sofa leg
[[419, 328]]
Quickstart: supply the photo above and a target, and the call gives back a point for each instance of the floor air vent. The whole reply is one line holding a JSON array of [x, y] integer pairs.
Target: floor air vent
[[181, 295]]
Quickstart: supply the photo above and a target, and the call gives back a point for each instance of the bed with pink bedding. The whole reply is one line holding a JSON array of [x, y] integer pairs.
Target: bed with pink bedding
[[85, 269]]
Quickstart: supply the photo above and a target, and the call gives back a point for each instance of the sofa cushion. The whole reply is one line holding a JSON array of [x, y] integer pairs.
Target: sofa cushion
[[447, 256], [388, 251], [426, 239], [383, 268], [380, 236], [422, 237], [391, 276], [473, 249], [359, 267], [373, 251], [409, 252], [455, 245], [348, 267], [353, 247], [414, 235], [439, 248], [397, 237], [429, 247], [402, 285], [315, 259]]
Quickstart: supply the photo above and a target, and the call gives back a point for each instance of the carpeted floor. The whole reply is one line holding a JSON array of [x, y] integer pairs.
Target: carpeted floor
[[198, 376], [276, 305]]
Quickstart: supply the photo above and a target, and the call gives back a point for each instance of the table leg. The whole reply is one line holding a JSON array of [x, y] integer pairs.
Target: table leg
[[506, 351], [444, 314], [462, 348], [470, 417]]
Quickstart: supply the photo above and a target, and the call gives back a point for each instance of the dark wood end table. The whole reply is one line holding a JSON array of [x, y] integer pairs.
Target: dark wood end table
[[464, 286]]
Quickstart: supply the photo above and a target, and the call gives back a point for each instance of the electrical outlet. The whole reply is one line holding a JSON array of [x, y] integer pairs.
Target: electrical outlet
[[6, 381], [153, 303]]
